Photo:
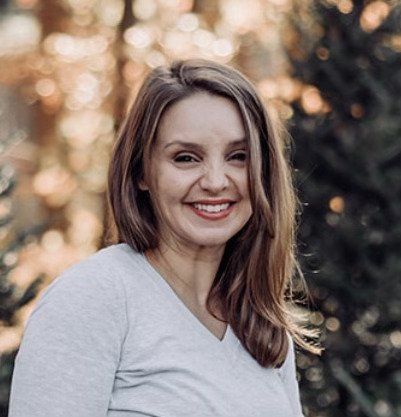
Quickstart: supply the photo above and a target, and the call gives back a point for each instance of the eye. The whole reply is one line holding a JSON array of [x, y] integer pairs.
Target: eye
[[184, 158], [240, 156]]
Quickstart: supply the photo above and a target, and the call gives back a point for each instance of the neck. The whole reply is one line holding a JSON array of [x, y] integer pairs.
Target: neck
[[190, 273]]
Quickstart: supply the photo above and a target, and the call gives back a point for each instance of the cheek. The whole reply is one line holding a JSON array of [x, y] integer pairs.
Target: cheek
[[243, 185], [171, 184]]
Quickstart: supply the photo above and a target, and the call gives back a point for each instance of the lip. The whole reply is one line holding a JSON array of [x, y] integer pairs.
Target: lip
[[214, 216], [221, 201]]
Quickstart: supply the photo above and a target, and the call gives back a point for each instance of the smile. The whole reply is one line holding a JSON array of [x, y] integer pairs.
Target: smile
[[211, 208], [212, 211]]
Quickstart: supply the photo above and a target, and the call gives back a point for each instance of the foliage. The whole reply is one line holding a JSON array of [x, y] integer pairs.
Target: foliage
[[11, 298], [348, 161]]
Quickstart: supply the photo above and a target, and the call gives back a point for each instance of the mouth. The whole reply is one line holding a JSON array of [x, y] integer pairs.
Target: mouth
[[212, 211]]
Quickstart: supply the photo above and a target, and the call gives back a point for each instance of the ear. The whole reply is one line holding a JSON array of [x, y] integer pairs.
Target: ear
[[143, 186]]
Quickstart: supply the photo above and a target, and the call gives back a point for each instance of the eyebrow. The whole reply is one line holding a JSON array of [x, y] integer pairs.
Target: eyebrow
[[193, 145]]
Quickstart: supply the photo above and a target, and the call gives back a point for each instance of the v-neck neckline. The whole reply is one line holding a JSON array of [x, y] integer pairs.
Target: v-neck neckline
[[173, 296]]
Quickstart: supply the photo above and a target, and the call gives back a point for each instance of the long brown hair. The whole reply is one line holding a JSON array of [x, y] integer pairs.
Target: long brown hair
[[254, 282]]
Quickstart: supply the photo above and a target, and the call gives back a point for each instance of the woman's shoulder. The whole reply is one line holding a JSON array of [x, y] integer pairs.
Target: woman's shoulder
[[95, 277], [106, 266], [104, 274], [110, 257]]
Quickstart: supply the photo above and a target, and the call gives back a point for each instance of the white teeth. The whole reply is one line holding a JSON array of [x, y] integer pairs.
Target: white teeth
[[215, 208]]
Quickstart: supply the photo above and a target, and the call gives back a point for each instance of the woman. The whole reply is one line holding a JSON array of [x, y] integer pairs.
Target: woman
[[188, 311]]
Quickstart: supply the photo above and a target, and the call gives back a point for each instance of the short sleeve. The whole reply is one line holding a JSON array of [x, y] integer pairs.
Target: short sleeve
[[287, 373], [71, 346]]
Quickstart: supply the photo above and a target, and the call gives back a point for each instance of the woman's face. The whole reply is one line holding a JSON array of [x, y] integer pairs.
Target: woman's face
[[199, 172]]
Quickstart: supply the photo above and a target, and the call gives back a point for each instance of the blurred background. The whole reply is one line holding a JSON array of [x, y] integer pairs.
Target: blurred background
[[331, 70]]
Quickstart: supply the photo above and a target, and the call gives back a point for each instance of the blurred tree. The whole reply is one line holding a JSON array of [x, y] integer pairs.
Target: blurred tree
[[128, 20], [13, 238], [11, 297], [346, 128], [3, 4]]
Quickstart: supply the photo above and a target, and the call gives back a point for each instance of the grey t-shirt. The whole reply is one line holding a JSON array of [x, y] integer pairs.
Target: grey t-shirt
[[110, 337]]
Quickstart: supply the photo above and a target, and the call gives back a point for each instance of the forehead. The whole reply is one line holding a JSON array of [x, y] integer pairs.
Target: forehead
[[201, 117]]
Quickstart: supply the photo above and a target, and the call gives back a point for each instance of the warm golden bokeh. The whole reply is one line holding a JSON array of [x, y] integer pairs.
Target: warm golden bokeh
[[77, 65], [69, 69]]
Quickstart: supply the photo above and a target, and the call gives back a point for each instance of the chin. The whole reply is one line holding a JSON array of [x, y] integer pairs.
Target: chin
[[210, 241]]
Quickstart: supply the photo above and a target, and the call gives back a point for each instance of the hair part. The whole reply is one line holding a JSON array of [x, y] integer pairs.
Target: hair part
[[254, 282]]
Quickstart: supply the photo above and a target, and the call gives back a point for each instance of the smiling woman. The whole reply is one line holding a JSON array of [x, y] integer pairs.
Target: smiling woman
[[189, 309], [193, 170]]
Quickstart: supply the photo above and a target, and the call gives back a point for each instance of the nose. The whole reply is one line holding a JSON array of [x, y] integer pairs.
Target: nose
[[214, 179]]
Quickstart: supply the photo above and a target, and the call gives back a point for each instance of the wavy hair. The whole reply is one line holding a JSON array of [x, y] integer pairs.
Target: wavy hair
[[254, 282]]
